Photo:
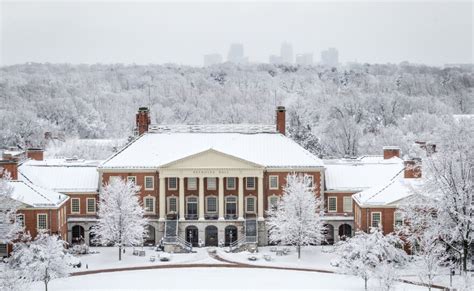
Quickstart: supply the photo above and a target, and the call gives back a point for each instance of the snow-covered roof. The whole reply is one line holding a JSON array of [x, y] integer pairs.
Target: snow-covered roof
[[36, 196], [62, 175], [361, 173], [390, 192], [152, 150], [214, 128]]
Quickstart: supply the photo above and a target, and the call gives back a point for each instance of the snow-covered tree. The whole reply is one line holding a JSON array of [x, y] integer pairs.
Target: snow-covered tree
[[387, 274], [362, 254], [121, 221], [12, 279], [296, 220], [9, 227], [43, 259]]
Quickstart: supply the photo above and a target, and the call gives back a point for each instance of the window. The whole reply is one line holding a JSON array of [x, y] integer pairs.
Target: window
[[398, 219], [149, 182], [211, 184], [273, 180], [273, 201], [114, 179], [230, 183], [231, 206], [311, 180], [332, 204], [347, 204], [172, 183], [192, 183], [211, 202], [132, 179], [3, 249], [250, 182], [172, 204], [20, 219], [149, 203], [192, 209], [250, 204], [91, 205], [42, 221], [376, 219], [75, 205]]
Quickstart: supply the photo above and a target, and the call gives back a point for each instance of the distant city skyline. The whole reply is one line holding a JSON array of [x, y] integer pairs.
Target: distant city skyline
[[432, 33]]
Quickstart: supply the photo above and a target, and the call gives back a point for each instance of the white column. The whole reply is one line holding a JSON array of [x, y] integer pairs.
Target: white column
[[221, 198], [201, 198], [162, 199], [181, 198], [241, 197], [260, 198]]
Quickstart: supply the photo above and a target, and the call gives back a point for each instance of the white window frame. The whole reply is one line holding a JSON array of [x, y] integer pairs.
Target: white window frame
[[372, 218], [227, 183], [168, 205], [335, 204], [176, 183], [270, 182], [270, 200], [395, 218], [211, 179], [236, 203], [311, 178], [189, 185], [197, 203], [22, 220], [87, 205], [207, 204], [79, 205], [247, 183], [254, 204], [152, 183], [133, 179], [153, 203], [344, 199], [38, 221]]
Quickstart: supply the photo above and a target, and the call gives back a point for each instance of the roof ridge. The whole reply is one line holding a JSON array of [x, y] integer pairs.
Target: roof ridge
[[391, 181], [121, 150], [32, 188]]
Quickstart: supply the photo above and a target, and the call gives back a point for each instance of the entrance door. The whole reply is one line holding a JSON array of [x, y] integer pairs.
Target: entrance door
[[192, 235], [230, 235], [77, 234], [211, 236]]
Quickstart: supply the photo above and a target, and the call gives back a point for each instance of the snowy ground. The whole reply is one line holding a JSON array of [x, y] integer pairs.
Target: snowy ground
[[213, 279]]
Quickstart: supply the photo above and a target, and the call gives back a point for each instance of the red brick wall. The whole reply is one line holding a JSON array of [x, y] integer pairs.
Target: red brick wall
[[83, 204], [339, 203], [55, 226], [387, 215]]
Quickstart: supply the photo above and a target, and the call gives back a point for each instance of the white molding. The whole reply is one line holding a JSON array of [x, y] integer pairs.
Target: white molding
[[270, 182], [87, 205], [37, 221], [335, 198], [152, 181]]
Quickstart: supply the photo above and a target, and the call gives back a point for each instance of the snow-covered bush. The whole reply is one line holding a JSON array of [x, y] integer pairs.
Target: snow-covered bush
[[81, 249], [296, 220]]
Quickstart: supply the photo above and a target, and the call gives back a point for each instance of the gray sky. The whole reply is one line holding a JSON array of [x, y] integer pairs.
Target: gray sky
[[433, 33]]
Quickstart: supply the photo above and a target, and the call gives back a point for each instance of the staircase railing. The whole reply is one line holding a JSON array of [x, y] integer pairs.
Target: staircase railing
[[184, 244], [236, 244]]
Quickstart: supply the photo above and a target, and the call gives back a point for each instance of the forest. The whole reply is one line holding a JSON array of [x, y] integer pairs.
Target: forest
[[350, 110]]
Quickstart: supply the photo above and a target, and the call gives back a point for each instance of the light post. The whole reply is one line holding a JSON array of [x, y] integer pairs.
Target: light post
[[230, 238], [191, 238]]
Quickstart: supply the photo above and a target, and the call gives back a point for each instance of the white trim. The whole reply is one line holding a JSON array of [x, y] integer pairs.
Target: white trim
[[395, 218], [236, 203], [207, 207], [152, 183], [132, 178], [79, 206], [247, 185], [169, 187], [22, 220], [335, 198], [270, 182], [254, 203], [153, 204], [344, 198], [227, 183], [195, 183], [87, 206], [269, 198], [197, 204], [372, 218], [168, 211], [37, 221]]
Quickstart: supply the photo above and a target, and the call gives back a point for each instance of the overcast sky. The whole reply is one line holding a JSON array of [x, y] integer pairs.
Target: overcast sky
[[433, 33]]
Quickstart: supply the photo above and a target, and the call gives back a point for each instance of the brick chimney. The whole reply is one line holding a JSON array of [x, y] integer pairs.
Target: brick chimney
[[10, 167], [281, 119], [142, 120], [35, 154], [413, 169], [390, 152]]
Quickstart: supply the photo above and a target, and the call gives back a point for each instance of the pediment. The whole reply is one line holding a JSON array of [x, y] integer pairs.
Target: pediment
[[211, 159]]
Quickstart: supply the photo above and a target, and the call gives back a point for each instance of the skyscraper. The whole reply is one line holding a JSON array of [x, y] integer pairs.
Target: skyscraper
[[330, 57], [236, 54], [304, 59], [286, 53]]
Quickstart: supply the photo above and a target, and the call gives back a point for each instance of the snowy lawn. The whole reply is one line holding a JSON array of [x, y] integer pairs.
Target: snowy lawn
[[314, 257], [107, 258], [212, 279]]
